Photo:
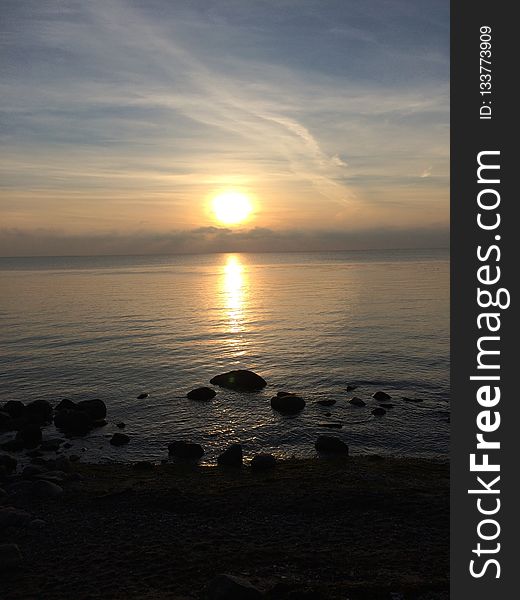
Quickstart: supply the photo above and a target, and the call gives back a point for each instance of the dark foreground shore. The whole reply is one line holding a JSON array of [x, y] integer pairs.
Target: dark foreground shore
[[350, 528]]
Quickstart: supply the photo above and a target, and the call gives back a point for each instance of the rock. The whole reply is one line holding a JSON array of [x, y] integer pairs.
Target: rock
[[39, 411], [383, 396], [8, 462], [73, 422], [351, 388], [263, 462], [241, 380], [331, 445], [331, 425], [66, 404], [185, 450], [51, 445], [143, 465], [288, 404], [202, 393], [10, 557], [30, 436], [379, 412], [13, 517], [355, 401], [326, 402], [143, 396], [32, 471], [62, 463], [387, 405], [121, 425], [119, 439], [231, 457], [412, 399], [229, 587], [67, 445], [95, 408], [14, 408]]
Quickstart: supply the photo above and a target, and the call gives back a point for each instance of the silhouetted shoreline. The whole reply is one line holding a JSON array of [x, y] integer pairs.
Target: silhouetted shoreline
[[356, 527]]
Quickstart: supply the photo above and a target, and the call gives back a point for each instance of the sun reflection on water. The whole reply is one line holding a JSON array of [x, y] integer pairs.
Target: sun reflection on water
[[234, 292]]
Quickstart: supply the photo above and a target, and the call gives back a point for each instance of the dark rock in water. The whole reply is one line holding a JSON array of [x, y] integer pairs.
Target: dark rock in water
[[387, 405], [381, 396], [328, 414], [331, 445], [201, 394], [13, 517], [143, 396], [66, 404], [412, 399], [15, 408], [263, 462], [355, 401], [379, 412], [331, 425], [326, 402], [351, 388], [39, 411], [143, 465], [95, 408], [73, 422], [10, 557], [229, 587], [30, 436], [241, 380], [231, 457], [185, 450], [119, 439], [121, 425], [8, 462], [289, 404]]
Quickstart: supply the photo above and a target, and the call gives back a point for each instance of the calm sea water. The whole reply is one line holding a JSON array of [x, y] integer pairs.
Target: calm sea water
[[113, 327]]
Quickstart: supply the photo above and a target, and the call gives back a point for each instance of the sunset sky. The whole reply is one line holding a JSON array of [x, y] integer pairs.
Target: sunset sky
[[122, 121]]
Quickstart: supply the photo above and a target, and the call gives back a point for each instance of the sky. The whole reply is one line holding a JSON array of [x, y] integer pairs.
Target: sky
[[122, 120]]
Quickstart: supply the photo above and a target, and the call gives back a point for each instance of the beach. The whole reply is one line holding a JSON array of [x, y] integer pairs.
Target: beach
[[351, 527]]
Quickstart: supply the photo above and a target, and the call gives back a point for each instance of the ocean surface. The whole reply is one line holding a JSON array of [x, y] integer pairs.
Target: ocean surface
[[312, 323]]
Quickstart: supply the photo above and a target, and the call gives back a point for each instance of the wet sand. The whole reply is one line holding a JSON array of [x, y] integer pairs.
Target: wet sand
[[322, 529]]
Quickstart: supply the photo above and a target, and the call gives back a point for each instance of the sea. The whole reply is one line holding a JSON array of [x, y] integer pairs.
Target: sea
[[114, 327]]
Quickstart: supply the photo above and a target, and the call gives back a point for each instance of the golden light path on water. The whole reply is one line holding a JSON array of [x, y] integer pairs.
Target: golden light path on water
[[235, 284]]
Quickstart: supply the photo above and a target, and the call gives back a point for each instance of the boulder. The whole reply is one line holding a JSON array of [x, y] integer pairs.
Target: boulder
[[326, 402], [39, 411], [10, 557], [231, 457], [331, 445], [382, 396], [229, 587], [95, 408], [241, 380], [185, 450], [263, 462], [351, 388], [143, 396], [412, 399], [66, 404], [379, 412], [30, 436], [15, 408], [73, 422], [201, 394], [289, 404], [121, 425], [119, 439], [355, 401]]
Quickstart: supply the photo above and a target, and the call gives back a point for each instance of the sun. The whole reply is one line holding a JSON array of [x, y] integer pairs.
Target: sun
[[231, 208]]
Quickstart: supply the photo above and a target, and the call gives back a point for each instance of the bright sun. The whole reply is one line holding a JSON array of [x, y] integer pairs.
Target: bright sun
[[231, 208]]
